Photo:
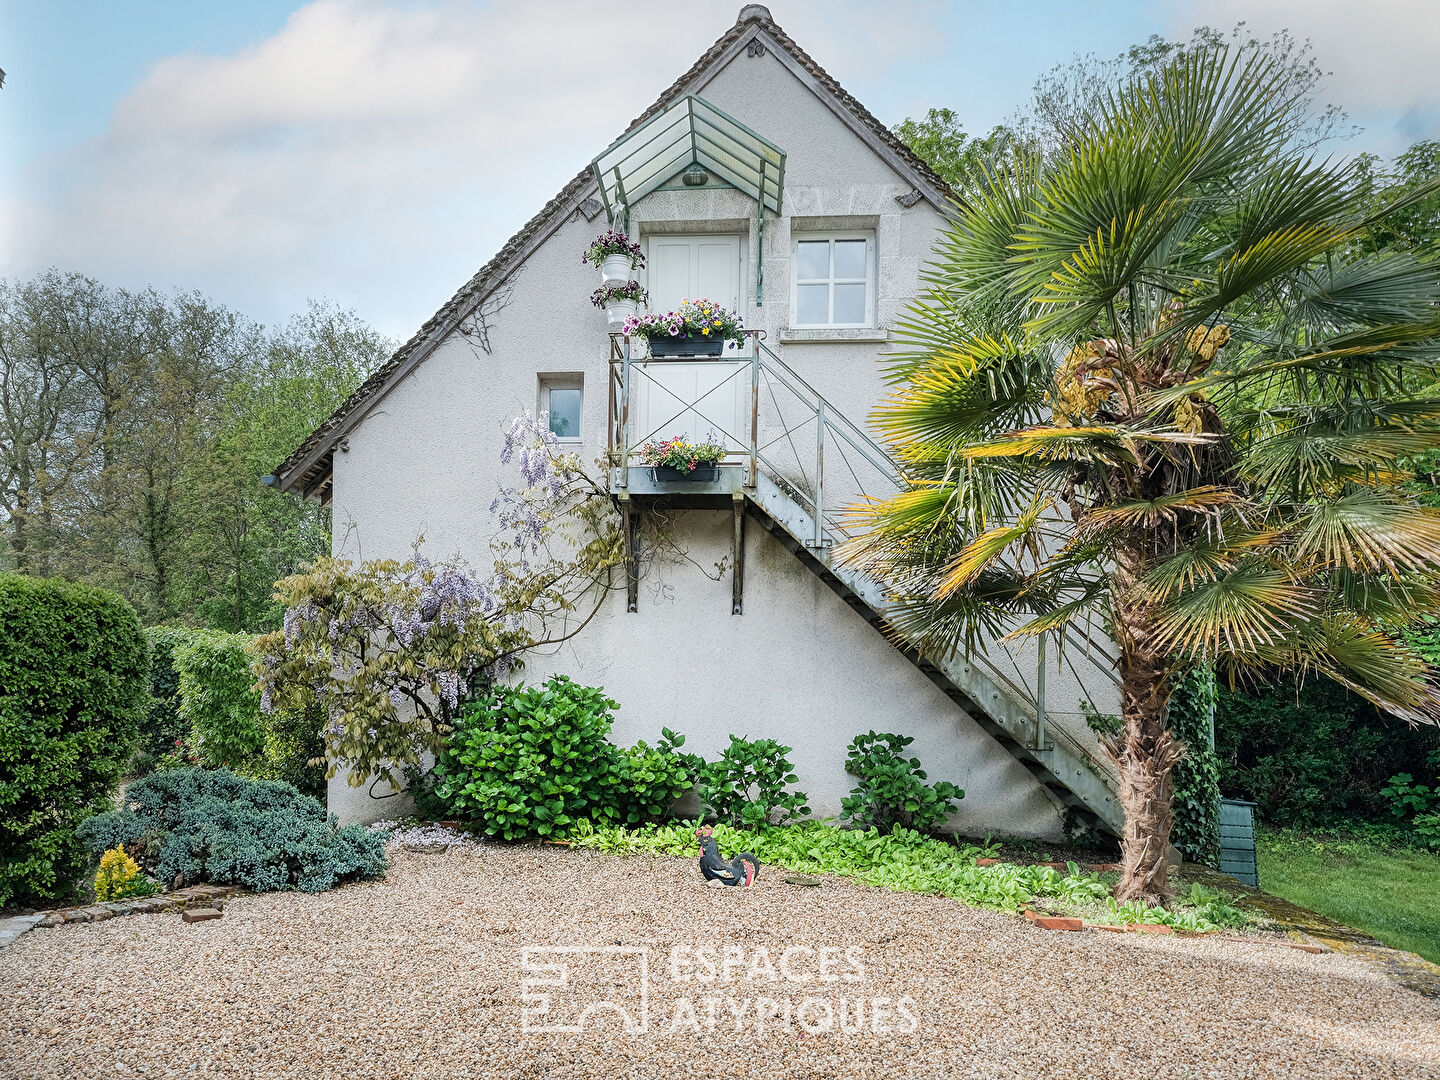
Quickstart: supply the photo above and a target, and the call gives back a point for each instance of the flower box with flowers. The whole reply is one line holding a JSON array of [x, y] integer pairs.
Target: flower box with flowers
[[677, 459], [695, 328]]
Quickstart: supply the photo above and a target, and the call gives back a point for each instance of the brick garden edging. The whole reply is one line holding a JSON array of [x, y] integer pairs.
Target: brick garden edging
[[212, 896]]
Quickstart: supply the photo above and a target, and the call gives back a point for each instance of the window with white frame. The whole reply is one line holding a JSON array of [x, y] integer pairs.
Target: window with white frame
[[834, 280], [563, 397]]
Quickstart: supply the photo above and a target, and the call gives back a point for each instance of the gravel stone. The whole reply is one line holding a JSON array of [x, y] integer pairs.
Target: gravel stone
[[420, 976]]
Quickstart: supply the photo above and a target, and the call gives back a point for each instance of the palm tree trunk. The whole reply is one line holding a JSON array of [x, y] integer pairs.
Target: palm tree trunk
[[1145, 753]]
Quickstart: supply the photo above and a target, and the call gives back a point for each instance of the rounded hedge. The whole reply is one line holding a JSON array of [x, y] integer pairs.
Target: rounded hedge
[[74, 690]]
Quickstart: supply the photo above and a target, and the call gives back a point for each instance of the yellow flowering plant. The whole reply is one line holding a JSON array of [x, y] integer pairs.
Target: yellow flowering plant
[[119, 877]]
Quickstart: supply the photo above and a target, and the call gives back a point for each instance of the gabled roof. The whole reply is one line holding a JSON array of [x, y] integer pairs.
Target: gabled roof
[[308, 469]]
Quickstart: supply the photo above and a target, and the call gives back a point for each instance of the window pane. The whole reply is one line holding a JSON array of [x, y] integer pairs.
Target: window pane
[[812, 304], [849, 303], [565, 412], [813, 260], [850, 259]]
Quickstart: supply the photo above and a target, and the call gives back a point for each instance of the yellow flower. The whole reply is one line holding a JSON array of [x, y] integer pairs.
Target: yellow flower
[[705, 331]]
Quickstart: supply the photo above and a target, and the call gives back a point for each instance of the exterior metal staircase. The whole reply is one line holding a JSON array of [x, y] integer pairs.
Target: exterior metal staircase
[[776, 476]]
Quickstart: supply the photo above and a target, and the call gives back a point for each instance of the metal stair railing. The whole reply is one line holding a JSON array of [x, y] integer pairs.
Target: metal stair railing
[[825, 471]]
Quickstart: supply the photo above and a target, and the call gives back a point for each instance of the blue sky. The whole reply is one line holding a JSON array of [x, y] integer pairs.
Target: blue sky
[[376, 152]]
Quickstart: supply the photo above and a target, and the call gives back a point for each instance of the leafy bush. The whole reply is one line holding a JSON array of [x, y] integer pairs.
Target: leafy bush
[[217, 698], [532, 761], [1417, 803], [746, 786], [892, 791], [1311, 753], [294, 751], [73, 694], [119, 877], [1190, 716], [650, 779], [163, 723], [210, 825]]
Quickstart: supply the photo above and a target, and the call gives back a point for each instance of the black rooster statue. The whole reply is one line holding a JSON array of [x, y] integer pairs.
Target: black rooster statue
[[743, 870]]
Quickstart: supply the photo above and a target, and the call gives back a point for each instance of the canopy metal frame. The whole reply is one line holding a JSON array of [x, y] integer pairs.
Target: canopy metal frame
[[689, 132]]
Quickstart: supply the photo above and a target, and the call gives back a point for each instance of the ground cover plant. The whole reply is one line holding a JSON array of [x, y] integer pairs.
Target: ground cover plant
[[209, 825], [1363, 879], [74, 679], [906, 861]]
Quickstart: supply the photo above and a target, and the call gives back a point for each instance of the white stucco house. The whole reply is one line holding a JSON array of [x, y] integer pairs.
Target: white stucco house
[[757, 181]]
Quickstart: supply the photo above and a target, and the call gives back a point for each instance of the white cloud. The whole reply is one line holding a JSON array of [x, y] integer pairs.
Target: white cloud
[[1381, 53], [379, 151]]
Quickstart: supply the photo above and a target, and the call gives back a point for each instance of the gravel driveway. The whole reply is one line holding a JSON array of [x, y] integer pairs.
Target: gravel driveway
[[421, 976]]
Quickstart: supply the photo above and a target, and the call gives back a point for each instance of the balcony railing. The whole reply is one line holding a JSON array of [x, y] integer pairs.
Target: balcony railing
[[828, 465]]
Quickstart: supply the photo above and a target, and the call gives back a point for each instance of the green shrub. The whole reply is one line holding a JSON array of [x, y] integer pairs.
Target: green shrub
[[892, 791], [218, 700], [746, 786], [1312, 753], [72, 699], [1417, 804], [532, 761], [73, 694], [209, 825], [163, 723], [294, 751], [1190, 717]]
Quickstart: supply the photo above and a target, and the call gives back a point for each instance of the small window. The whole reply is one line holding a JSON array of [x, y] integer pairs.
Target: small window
[[834, 282], [563, 398]]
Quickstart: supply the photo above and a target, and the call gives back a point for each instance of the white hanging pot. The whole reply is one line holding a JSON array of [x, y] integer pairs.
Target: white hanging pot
[[616, 268], [617, 311]]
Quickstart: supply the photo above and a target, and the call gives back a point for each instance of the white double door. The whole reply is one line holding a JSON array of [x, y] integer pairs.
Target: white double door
[[708, 397]]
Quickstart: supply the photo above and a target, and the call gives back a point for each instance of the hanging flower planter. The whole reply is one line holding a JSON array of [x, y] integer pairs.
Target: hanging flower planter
[[617, 256], [675, 459], [620, 300]]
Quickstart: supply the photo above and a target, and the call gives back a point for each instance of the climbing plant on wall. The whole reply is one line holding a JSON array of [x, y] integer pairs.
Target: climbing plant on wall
[[1191, 718]]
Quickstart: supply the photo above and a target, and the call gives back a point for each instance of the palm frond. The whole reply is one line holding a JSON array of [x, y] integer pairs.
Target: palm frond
[[1161, 510], [1204, 560], [1024, 537], [1369, 531], [1246, 610]]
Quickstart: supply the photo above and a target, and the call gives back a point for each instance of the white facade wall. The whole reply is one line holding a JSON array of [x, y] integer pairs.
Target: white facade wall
[[798, 666]]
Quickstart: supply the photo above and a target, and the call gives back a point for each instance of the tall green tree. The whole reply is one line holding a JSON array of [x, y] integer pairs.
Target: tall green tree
[[1154, 382], [248, 536], [135, 427], [940, 140]]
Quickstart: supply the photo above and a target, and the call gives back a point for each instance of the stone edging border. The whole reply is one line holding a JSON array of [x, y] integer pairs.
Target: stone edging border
[[199, 895]]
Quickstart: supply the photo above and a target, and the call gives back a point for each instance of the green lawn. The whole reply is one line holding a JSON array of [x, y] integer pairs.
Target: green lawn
[[1390, 893]]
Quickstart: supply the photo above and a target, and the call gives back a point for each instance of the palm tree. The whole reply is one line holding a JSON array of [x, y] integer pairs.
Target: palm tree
[[1155, 384]]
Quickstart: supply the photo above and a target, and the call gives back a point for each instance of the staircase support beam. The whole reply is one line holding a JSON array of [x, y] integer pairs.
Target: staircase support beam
[[737, 555]]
